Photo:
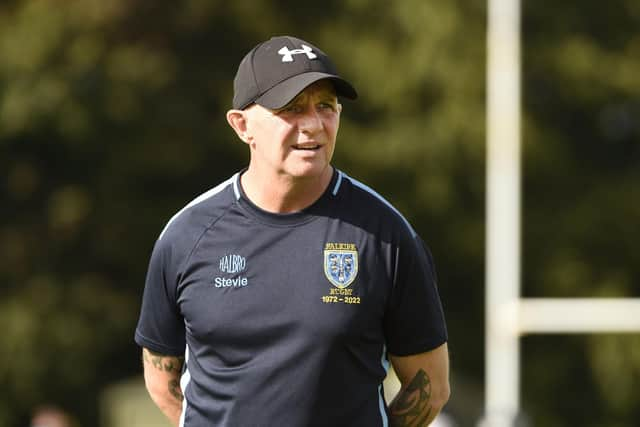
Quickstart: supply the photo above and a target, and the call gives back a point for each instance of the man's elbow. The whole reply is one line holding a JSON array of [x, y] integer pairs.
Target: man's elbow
[[156, 392], [158, 389], [440, 396]]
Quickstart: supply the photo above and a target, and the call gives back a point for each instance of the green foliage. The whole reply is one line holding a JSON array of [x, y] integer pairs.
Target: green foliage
[[112, 118]]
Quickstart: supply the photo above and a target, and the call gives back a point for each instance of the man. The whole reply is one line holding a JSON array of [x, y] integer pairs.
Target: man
[[289, 287]]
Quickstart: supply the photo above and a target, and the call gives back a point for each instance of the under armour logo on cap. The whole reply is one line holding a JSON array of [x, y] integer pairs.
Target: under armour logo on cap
[[287, 55]]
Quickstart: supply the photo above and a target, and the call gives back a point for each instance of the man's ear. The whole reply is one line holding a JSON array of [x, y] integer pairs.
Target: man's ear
[[238, 121]]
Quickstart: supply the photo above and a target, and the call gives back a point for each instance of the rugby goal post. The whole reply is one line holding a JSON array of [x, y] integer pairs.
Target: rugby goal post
[[508, 316]]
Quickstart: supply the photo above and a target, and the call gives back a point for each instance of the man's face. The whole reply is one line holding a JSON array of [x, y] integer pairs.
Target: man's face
[[297, 140]]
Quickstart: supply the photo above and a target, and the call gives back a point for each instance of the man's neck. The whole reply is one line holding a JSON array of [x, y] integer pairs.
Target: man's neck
[[284, 193]]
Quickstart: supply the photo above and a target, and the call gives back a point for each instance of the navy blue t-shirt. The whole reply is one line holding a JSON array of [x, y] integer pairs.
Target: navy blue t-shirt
[[286, 319]]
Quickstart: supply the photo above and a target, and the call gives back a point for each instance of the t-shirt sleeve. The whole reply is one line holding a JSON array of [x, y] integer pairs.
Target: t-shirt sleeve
[[161, 326], [414, 321]]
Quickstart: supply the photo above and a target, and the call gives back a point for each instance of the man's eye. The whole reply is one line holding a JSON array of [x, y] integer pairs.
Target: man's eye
[[290, 109], [327, 106]]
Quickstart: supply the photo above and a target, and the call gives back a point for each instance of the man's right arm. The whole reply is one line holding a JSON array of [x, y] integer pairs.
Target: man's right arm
[[162, 379]]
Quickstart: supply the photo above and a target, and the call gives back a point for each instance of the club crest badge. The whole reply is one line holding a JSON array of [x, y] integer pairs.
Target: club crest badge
[[340, 265]]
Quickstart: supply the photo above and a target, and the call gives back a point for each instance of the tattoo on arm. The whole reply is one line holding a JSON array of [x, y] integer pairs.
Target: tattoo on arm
[[169, 364], [162, 362], [175, 390], [412, 408]]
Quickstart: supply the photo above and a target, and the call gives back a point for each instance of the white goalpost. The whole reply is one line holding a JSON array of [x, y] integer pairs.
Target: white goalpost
[[508, 316]]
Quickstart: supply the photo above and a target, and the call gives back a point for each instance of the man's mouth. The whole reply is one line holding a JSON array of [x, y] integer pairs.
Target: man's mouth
[[306, 147]]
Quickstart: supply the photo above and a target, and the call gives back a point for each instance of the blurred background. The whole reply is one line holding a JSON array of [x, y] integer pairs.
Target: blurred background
[[112, 119]]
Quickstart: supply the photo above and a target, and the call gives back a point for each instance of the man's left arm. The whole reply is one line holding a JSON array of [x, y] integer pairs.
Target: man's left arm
[[425, 387]]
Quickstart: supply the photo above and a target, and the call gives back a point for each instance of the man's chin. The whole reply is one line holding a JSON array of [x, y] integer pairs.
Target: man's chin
[[311, 171]]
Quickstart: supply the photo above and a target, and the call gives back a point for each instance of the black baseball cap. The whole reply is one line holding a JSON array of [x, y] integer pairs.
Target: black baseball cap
[[277, 70]]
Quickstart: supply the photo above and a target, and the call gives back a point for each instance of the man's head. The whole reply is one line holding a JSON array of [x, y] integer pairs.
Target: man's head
[[277, 70], [286, 108]]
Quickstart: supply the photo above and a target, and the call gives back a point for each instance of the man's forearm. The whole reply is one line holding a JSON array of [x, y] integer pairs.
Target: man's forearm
[[425, 387], [162, 378], [414, 406]]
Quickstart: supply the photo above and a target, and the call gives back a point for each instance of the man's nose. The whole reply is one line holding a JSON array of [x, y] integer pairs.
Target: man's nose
[[310, 120]]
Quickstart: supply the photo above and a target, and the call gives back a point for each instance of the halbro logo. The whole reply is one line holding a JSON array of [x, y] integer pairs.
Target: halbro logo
[[232, 264]]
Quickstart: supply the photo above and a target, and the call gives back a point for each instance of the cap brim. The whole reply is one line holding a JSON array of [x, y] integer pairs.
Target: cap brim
[[282, 93]]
